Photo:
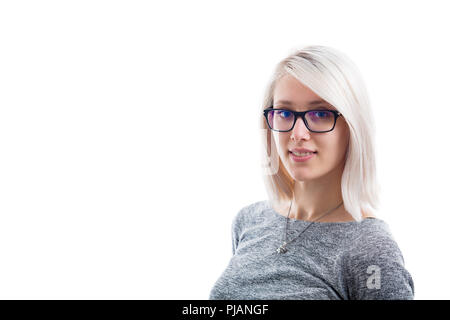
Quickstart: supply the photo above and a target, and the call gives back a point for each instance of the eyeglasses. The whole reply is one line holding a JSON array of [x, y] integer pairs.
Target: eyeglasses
[[283, 120]]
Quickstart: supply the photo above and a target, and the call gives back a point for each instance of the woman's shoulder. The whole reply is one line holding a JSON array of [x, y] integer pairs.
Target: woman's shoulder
[[375, 228], [252, 212], [254, 208], [375, 232], [375, 242]]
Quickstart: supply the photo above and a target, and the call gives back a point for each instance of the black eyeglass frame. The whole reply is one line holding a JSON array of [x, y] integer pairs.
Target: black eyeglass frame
[[301, 114]]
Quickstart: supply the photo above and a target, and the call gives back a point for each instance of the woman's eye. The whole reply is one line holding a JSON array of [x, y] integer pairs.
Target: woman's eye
[[321, 114], [283, 113]]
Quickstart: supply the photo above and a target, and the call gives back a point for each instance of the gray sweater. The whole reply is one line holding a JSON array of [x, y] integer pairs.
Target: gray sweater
[[330, 260]]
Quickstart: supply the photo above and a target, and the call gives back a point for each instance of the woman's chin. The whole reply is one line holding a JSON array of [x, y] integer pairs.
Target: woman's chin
[[299, 176]]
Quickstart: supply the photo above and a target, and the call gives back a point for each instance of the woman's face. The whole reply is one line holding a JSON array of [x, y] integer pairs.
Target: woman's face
[[330, 147]]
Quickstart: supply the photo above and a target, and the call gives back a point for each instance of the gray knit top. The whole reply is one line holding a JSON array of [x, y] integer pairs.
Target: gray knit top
[[330, 260]]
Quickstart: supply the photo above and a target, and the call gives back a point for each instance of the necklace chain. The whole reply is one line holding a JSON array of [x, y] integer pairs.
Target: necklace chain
[[282, 248]]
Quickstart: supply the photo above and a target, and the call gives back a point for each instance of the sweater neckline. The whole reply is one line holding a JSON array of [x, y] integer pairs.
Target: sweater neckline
[[300, 221]]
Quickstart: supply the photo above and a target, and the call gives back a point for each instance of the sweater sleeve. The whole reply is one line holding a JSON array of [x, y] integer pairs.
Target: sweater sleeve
[[376, 271]]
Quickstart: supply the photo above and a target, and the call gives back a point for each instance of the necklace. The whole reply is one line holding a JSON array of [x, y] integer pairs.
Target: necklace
[[282, 248]]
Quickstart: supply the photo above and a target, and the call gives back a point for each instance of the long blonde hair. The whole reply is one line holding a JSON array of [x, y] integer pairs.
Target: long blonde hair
[[333, 77]]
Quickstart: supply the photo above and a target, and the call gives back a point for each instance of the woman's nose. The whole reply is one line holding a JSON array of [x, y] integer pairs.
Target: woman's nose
[[300, 131]]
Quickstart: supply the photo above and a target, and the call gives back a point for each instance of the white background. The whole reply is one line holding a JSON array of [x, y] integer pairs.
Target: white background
[[129, 135]]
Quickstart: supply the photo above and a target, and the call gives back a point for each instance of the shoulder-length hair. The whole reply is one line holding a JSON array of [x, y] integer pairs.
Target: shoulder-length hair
[[333, 77]]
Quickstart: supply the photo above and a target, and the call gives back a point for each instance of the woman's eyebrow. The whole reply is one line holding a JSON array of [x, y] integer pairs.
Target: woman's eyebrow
[[311, 103], [316, 104]]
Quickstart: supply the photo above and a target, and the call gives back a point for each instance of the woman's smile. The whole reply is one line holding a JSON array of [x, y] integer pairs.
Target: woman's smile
[[301, 157]]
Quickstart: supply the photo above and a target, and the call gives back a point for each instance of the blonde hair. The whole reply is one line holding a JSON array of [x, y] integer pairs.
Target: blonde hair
[[333, 77]]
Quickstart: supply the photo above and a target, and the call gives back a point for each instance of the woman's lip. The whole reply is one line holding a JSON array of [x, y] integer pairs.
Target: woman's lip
[[301, 159]]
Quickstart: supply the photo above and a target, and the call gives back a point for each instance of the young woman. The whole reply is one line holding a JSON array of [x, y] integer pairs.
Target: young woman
[[318, 236]]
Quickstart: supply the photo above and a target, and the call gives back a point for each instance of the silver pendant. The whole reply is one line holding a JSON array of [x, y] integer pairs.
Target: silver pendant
[[282, 248]]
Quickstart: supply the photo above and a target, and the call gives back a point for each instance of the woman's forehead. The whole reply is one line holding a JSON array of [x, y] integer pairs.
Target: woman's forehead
[[291, 92]]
